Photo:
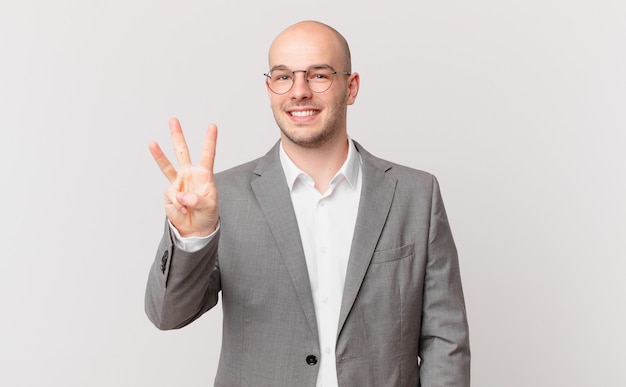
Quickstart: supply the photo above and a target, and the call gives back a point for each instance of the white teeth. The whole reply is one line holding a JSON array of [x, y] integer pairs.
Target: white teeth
[[303, 113]]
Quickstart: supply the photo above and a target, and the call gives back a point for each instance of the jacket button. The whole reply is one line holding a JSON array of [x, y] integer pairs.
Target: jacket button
[[311, 360], [164, 261]]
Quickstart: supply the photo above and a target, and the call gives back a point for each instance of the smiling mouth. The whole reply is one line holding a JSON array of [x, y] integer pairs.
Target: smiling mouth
[[303, 113]]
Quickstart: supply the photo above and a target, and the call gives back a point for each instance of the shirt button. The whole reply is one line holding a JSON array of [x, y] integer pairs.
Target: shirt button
[[324, 249], [322, 203], [327, 350], [311, 360]]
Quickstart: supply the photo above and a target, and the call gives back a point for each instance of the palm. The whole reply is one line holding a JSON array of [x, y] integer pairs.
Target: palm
[[191, 198]]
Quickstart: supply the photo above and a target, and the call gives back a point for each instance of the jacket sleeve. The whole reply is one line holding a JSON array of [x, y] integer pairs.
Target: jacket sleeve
[[444, 339], [181, 286]]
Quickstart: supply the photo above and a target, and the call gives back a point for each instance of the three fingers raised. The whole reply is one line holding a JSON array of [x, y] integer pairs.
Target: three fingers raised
[[181, 149]]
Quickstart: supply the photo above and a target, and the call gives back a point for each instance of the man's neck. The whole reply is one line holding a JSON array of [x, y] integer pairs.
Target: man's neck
[[321, 163]]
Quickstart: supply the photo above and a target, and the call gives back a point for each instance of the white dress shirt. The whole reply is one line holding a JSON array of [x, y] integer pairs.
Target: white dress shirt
[[326, 222]]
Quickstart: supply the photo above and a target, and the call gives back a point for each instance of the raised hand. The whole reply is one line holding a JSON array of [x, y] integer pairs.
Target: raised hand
[[191, 198]]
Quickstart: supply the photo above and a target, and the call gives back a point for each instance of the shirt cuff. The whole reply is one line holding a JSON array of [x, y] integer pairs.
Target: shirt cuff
[[191, 244]]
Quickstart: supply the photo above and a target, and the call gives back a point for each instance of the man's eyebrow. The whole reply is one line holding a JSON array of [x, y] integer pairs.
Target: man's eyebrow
[[321, 65], [315, 66], [280, 67]]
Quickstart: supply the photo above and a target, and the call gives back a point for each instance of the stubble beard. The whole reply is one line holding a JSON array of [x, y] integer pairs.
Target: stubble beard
[[312, 139]]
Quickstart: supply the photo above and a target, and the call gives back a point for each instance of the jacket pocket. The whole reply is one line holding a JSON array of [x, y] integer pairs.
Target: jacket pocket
[[394, 254]]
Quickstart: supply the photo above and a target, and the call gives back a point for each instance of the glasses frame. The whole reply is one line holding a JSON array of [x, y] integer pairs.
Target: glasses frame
[[293, 79]]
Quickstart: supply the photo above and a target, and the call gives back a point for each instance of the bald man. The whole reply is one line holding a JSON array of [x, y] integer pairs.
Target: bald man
[[335, 268]]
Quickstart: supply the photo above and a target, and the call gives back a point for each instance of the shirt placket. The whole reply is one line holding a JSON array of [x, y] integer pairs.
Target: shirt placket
[[329, 295]]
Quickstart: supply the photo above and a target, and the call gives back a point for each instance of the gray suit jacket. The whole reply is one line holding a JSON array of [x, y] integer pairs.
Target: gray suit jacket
[[402, 320]]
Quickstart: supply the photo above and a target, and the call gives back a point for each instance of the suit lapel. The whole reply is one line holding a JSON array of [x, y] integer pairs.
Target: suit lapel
[[272, 193], [376, 197]]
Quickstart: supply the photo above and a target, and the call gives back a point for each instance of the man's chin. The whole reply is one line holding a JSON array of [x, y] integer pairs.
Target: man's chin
[[307, 140]]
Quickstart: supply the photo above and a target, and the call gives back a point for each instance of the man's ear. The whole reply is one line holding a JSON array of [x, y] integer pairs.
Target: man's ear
[[267, 87], [353, 88]]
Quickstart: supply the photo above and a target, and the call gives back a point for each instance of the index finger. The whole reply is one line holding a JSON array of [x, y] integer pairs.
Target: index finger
[[208, 150], [164, 164]]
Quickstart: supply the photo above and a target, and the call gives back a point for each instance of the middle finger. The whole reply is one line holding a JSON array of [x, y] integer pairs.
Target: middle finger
[[180, 145]]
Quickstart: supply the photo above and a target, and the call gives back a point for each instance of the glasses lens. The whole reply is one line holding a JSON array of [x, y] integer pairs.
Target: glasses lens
[[280, 81], [319, 79]]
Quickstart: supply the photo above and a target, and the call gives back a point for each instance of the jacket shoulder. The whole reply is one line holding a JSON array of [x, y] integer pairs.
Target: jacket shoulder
[[236, 178], [402, 173]]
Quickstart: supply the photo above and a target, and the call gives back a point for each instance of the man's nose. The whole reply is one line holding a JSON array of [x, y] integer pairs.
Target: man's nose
[[300, 88]]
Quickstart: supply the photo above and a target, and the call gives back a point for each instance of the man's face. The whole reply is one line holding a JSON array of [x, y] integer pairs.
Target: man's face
[[306, 118]]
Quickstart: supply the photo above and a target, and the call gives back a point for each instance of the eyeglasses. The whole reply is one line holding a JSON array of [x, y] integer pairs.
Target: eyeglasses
[[318, 78]]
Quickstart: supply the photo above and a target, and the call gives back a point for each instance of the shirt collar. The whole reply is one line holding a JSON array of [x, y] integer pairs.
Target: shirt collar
[[349, 170]]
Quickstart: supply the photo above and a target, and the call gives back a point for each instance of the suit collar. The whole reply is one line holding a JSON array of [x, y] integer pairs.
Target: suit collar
[[271, 160]]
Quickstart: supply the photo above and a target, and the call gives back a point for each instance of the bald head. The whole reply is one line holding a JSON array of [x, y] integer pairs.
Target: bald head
[[303, 39]]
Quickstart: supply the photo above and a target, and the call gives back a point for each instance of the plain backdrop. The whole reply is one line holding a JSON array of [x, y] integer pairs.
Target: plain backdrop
[[518, 107]]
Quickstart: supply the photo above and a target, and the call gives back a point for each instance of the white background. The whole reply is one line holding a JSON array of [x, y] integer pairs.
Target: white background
[[518, 107]]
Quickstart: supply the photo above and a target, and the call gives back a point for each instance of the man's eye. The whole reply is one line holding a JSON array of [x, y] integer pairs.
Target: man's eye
[[319, 76]]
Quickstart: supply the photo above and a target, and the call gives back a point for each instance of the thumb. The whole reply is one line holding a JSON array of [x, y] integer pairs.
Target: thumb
[[187, 199]]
